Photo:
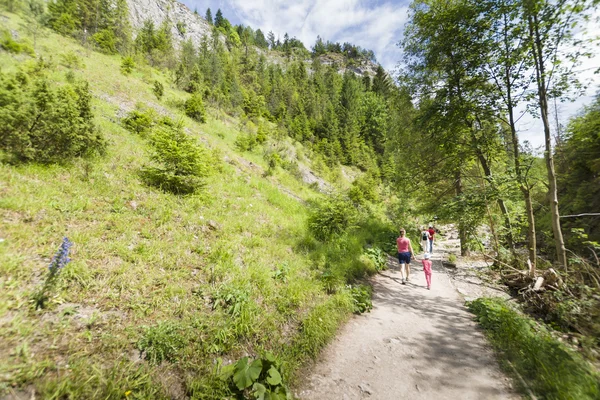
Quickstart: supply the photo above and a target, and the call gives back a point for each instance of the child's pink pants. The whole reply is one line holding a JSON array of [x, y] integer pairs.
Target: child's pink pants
[[428, 276]]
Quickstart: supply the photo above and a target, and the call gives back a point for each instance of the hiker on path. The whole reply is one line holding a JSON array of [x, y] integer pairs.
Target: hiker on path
[[427, 269], [405, 251], [431, 240], [424, 239]]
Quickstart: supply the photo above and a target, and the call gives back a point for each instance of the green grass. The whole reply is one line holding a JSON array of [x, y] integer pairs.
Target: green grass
[[160, 287], [544, 366]]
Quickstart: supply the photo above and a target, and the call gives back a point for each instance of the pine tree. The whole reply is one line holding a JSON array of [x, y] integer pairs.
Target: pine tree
[[219, 18], [208, 16]]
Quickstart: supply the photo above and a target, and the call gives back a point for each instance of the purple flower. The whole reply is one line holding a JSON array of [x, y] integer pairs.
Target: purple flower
[[61, 258]]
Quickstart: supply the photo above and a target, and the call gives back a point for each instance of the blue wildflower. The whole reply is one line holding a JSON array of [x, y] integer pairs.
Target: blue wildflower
[[62, 257]]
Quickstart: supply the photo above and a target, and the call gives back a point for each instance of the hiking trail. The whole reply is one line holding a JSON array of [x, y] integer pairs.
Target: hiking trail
[[414, 344]]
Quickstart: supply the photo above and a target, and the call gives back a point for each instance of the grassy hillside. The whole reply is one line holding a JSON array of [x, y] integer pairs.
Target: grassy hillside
[[161, 289]]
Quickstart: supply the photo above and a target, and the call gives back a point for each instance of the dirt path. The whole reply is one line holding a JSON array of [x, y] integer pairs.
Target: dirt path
[[414, 344]]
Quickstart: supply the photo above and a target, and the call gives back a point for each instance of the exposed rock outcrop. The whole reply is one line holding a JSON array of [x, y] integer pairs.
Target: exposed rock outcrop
[[193, 26]]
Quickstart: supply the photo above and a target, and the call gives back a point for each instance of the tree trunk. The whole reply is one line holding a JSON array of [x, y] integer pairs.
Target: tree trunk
[[536, 45], [507, 224], [523, 185], [462, 231]]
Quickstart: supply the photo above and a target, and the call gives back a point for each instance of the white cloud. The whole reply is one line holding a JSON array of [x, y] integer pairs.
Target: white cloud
[[373, 26]]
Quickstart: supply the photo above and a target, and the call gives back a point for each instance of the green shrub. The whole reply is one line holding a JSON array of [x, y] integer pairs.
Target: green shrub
[[246, 142], [71, 60], [180, 162], [139, 122], [161, 342], [12, 46], [158, 89], [378, 257], [127, 65], [551, 369], [106, 41], [361, 298], [260, 378], [194, 108], [45, 124], [331, 216], [364, 189]]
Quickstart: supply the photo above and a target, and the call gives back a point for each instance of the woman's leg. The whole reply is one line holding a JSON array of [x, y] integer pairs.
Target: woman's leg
[[402, 266], [407, 271]]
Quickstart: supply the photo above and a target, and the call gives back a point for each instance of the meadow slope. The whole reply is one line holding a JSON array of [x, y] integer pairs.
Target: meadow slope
[[161, 289]]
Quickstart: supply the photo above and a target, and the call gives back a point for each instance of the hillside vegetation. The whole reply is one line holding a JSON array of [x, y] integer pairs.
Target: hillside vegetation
[[196, 216], [162, 289]]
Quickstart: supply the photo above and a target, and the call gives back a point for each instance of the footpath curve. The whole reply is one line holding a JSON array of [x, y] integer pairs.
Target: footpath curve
[[414, 344]]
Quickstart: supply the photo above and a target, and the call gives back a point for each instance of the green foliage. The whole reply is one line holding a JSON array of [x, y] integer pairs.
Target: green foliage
[[45, 124], [246, 141], [551, 369], [180, 163], [71, 60], [106, 21], [106, 41], [331, 216], [256, 379], [361, 298], [194, 108], [162, 342], [127, 65], [378, 256], [578, 162], [9, 44], [364, 188], [451, 258], [139, 122], [158, 89]]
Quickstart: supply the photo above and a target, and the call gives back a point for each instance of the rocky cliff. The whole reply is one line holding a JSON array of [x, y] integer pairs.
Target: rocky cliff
[[192, 26]]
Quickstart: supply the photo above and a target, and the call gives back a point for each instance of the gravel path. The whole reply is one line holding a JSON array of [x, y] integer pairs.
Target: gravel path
[[414, 344]]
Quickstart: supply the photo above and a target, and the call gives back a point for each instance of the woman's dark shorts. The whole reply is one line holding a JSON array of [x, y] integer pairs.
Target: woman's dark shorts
[[404, 258]]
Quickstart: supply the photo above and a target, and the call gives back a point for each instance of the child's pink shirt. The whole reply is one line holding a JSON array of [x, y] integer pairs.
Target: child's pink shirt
[[426, 265]]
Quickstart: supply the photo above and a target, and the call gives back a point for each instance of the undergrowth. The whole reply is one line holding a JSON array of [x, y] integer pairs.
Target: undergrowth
[[544, 366]]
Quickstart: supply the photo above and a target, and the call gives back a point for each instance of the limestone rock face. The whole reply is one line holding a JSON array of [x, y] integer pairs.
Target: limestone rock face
[[194, 26]]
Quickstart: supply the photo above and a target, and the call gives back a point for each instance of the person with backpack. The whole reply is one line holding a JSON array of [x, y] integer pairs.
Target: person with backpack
[[431, 232], [424, 239], [405, 251]]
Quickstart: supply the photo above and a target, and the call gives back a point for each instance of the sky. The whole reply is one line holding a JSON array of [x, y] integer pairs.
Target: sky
[[376, 25]]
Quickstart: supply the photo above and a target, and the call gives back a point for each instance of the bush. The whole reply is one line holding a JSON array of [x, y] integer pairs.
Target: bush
[[331, 216], [194, 108], [361, 298], [12, 46], [158, 89], [258, 379], [139, 122], [127, 65], [246, 142], [378, 257], [45, 124], [106, 41], [551, 369], [71, 60], [181, 164]]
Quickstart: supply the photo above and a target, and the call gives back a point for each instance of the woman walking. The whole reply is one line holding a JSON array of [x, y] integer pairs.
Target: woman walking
[[405, 251]]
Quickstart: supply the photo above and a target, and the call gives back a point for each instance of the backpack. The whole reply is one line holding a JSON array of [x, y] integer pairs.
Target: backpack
[[425, 236]]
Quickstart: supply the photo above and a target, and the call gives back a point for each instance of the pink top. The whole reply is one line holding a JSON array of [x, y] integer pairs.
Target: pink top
[[403, 243], [426, 265]]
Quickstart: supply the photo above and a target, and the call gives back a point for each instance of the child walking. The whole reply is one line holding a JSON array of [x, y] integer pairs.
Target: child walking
[[427, 268]]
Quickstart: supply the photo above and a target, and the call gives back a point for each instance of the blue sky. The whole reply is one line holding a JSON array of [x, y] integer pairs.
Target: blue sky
[[374, 24]]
